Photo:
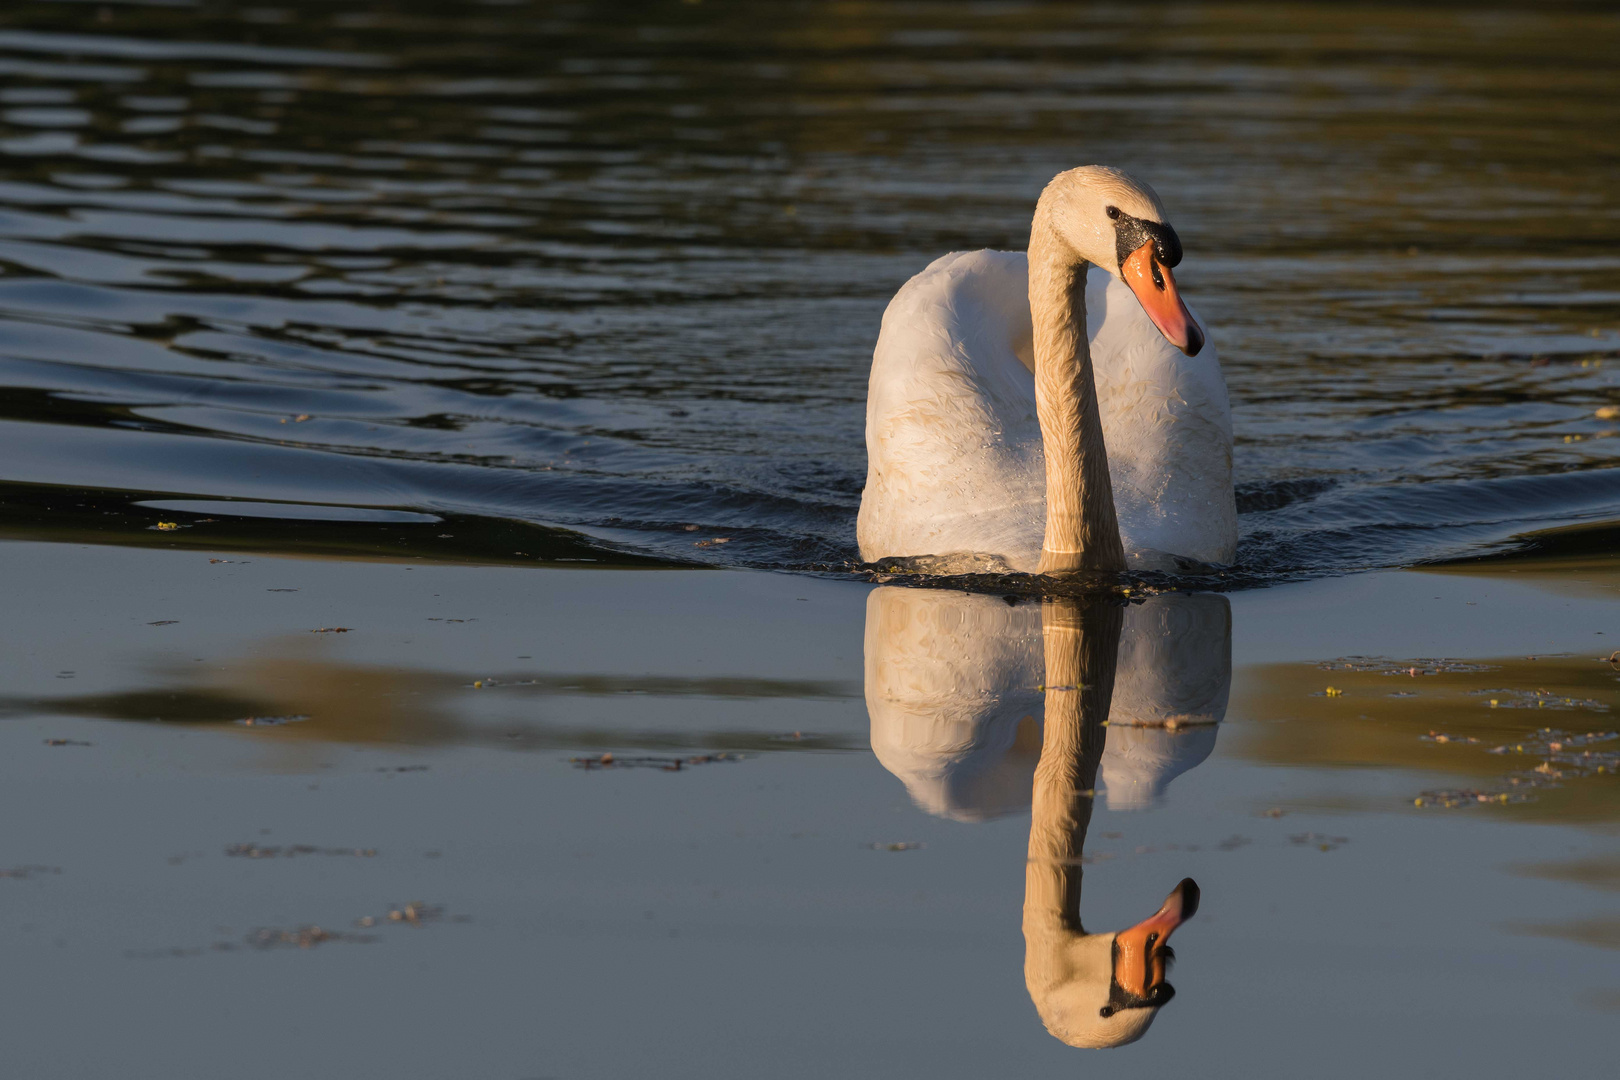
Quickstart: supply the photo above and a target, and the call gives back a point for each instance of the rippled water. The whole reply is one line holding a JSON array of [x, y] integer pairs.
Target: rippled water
[[617, 269]]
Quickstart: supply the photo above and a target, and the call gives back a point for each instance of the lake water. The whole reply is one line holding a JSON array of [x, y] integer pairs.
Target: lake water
[[461, 333]]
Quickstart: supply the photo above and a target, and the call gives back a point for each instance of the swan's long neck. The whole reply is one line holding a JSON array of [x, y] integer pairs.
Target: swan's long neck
[[1082, 532]]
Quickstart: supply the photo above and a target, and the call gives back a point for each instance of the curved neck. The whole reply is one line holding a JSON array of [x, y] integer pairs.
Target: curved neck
[[1082, 532]]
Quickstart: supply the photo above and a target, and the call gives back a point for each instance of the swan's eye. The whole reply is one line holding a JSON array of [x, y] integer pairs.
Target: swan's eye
[[1106, 1011], [1158, 283], [1113, 212]]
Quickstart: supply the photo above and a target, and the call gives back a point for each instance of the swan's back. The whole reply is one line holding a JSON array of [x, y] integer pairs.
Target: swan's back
[[955, 467]]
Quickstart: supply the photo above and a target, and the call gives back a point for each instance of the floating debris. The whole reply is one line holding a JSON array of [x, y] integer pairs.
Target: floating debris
[[165, 526], [666, 764], [712, 543], [1537, 699], [415, 913], [898, 845], [1274, 812], [1448, 799], [1565, 756], [67, 742], [1319, 841], [1571, 751], [1443, 737], [1333, 691], [163, 622], [254, 851], [1379, 665], [310, 935], [270, 721], [303, 937], [332, 630]]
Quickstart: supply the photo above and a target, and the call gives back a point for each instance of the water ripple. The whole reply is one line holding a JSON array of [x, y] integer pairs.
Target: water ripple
[[618, 274]]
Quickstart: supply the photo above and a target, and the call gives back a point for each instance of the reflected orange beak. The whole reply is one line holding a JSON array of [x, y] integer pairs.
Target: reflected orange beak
[[1139, 962], [1155, 287]]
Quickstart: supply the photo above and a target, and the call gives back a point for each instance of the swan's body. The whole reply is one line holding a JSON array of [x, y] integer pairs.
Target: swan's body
[[961, 464]]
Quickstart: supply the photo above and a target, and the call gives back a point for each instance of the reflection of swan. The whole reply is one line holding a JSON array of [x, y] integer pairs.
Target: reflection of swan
[[980, 707], [1175, 671], [1091, 989], [952, 688], [985, 425]]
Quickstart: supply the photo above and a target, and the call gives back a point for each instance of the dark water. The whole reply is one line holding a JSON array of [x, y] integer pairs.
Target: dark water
[[617, 269]]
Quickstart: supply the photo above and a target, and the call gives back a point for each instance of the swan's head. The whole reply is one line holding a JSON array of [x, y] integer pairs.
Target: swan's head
[[1101, 990], [1113, 220]]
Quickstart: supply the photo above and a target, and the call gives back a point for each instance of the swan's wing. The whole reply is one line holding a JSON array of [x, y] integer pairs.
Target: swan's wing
[[1167, 422], [953, 445]]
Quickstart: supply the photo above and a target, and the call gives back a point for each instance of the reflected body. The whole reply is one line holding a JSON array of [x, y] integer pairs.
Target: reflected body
[[981, 707]]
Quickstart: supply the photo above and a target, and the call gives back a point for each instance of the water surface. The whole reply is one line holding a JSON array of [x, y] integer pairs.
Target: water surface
[[618, 270], [847, 891]]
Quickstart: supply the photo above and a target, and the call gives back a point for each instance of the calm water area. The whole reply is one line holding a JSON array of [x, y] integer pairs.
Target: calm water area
[[404, 405]]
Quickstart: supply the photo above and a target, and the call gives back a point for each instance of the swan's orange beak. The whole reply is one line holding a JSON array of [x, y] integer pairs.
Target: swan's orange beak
[[1139, 953], [1155, 287]]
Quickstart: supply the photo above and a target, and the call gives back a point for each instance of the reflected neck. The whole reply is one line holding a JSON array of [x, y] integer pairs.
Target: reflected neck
[[1082, 531], [1082, 651]]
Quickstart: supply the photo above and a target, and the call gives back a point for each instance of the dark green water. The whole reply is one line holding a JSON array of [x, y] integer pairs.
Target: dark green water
[[617, 269]]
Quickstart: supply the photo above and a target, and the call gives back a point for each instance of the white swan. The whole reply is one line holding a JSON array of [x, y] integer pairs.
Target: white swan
[[991, 444]]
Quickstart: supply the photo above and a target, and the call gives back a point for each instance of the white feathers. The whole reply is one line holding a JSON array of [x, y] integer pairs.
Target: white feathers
[[955, 467]]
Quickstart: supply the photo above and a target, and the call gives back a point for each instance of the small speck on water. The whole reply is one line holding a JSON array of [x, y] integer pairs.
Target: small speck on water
[[897, 845], [288, 851], [663, 764], [1319, 841]]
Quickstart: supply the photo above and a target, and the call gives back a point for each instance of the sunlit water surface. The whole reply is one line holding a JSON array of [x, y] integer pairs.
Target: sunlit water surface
[[617, 269]]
